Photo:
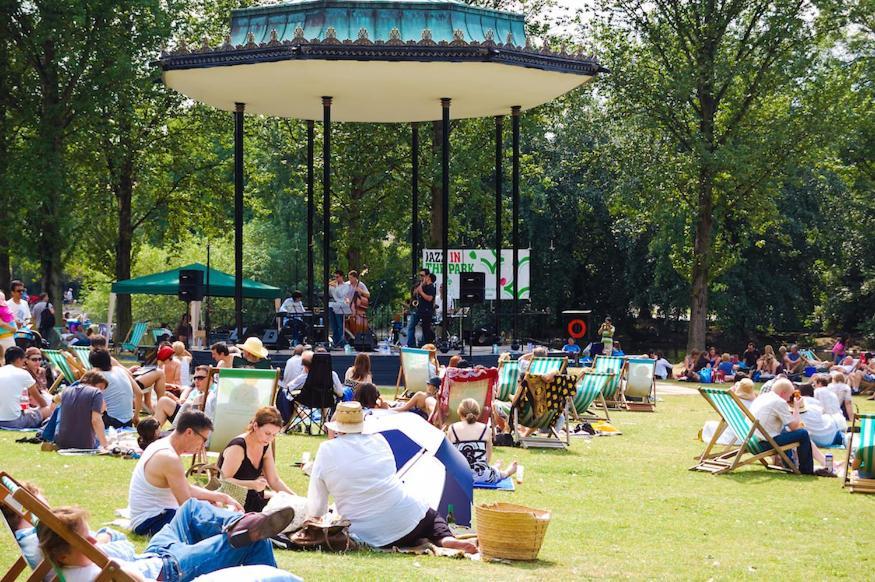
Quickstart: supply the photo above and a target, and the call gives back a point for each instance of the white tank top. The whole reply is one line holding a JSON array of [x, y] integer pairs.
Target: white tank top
[[144, 499]]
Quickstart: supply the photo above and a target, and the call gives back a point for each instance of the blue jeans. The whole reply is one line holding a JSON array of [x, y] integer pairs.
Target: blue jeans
[[337, 329], [803, 451], [411, 330], [194, 543]]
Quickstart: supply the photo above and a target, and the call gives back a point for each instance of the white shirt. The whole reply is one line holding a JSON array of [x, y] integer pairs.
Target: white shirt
[[13, 381], [820, 426], [20, 310], [339, 293], [842, 391], [294, 368], [772, 411], [144, 499], [663, 368], [359, 472], [828, 400], [292, 306], [298, 382]]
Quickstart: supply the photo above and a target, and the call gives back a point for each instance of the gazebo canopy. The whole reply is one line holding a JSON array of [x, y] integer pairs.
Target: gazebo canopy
[[167, 283], [380, 61]]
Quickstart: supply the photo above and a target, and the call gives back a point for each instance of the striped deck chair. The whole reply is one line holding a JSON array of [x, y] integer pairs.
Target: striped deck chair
[[639, 388], [615, 365], [58, 359], [508, 380], [865, 452], [756, 442], [34, 511], [414, 371], [82, 353], [555, 398], [546, 365], [459, 384], [135, 336], [590, 388]]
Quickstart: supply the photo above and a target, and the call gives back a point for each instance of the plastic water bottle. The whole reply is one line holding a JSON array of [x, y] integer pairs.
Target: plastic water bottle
[[828, 464], [494, 349], [24, 399]]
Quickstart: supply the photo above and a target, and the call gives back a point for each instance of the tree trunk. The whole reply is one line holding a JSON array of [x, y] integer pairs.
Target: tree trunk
[[50, 209], [435, 231], [124, 188]]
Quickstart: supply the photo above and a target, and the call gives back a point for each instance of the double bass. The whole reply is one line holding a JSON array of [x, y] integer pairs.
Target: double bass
[[357, 321]]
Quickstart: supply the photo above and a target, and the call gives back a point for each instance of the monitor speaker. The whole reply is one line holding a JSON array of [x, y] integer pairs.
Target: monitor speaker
[[472, 288], [191, 285]]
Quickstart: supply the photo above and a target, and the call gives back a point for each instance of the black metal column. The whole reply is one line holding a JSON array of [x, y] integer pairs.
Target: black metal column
[[326, 206], [445, 212], [499, 178], [238, 217], [311, 211], [414, 218], [515, 193]]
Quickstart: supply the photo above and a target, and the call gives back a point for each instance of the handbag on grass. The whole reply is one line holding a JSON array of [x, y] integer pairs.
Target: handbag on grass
[[318, 535]]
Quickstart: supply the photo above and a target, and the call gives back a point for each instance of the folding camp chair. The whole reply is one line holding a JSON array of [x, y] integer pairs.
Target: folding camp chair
[[615, 365], [414, 371], [459, 384], [639, 388], [508, 380], [590, 388], [317, 394], [65, 368], [26, 505], [82, 353], [537, 405], [240, 392], [755, 440], [135, 337], [865, 448]]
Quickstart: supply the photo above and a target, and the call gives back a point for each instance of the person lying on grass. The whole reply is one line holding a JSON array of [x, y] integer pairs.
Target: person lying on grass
[[473, 440]]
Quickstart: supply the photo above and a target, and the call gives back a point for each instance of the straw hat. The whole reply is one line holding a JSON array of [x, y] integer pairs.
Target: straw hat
[[254, 346], [744, 389], [348, 418]]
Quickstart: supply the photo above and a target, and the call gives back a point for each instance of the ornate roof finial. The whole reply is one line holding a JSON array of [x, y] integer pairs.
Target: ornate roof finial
[[182, 47], [205, 44], [529, 43], [458, 34], [363, 33], [299, 33], [330, 32], [226, 43], [490, 35], [509, 39], [426, 34], [394, 35], [274, 38], [250, 40]]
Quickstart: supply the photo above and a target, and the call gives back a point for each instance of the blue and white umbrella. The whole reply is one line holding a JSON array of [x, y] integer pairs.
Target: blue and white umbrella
[[429, 466]]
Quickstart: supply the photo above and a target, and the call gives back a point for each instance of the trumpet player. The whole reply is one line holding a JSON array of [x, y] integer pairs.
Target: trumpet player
[[422, 309]]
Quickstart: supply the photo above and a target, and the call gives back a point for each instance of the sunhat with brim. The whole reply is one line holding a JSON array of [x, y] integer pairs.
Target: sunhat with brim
[[744, 389], [254, 346], [348, 418]]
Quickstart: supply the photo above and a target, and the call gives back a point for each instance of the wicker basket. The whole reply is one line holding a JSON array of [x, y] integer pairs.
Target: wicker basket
[[511, 532]]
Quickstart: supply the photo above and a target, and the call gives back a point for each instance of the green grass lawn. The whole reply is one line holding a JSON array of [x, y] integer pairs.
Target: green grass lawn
[[623, 507]]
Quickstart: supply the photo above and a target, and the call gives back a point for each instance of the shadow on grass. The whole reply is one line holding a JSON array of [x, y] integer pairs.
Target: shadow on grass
[[764, 476], [521, 565]]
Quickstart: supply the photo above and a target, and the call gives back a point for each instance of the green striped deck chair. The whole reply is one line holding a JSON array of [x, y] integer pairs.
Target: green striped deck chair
[[615, 365], [414, 371], [135, 336], [639, 388], [508, 380], [545, 365], [82, 353], [757, 445], [24, 504], [59, 360], [523, 412], [865, 452], [590, 387]]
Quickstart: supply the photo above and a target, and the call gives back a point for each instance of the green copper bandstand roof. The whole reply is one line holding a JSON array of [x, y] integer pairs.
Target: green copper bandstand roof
[[380, 61]]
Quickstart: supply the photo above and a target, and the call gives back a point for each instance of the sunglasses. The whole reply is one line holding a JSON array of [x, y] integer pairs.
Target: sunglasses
[[17, 290], [200, 377], [35, 359]]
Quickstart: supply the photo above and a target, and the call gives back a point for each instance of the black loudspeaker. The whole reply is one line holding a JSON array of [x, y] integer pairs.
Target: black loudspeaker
[[365, 341], [472, 288], [191, 285], [271, 338]]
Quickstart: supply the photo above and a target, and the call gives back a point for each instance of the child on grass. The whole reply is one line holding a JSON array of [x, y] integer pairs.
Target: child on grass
[[471, 439]]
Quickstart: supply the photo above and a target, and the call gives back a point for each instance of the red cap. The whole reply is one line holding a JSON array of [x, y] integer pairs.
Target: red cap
[[165, 353]]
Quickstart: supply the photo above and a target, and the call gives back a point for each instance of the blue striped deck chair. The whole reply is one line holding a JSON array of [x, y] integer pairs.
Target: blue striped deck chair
[[865, 453], [508, 380], [590, 389], [557, 400], [82, 353], [615, 365], [414, 371], [757, 445], [639, 387], [135, 336], [58, 360]]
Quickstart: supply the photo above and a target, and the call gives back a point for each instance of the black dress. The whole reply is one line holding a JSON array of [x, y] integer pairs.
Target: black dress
[[255, 500]]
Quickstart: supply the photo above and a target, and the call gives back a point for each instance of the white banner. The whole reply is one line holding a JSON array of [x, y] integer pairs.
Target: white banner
[[473, 260]]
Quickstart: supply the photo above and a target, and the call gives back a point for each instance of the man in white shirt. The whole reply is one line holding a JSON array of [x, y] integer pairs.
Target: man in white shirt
[[358, 470], [18, 304], [339, 291], [294, 366], [774, 413], [663, 367], [15, 382]]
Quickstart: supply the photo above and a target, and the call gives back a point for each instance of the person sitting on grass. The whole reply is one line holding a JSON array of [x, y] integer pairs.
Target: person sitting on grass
[[662, 368], [33, 363], [122, 395], [828, 400], [750, 356], [254, 355], [82, 405], [689, 372], [824, 429], [726, 369], [222, 355], [794, 363], [778, 412], [358, 471], [839, 386], [14, 381], [471, 438], [768, 364], [200, 539], [368, 395], [158, 484], [422, 403], [169, 407], [248, 462]]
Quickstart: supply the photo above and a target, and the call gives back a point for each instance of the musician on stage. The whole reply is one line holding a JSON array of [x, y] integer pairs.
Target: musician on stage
[[338, 289], [294, 305], [423, 313], [356, 286]]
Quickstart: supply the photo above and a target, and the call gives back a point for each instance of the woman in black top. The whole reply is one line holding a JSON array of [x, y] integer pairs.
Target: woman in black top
[[248, 462]]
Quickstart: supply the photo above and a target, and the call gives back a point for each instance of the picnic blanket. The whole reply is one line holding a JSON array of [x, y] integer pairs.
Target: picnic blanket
[[505, 484]]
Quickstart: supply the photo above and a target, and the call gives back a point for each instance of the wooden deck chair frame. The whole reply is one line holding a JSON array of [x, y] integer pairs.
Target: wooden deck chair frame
[[553, 441], [853, 483], [584, 401], [732, 457], [402, 376], [200, 464], [81, 354], [483, 396], [134, 339], [33, 510], [59, 360], [612, 393], [502, 393], [634, 405]]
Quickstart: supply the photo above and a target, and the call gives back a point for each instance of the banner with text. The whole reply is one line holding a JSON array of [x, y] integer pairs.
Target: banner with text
[[473, 260]]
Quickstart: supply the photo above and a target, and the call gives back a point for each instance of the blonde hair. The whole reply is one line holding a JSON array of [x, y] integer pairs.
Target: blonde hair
[[454, 360], [55, 547], [429, 347], [178, 348], [769, 352], [839, 377], [469, 410], [725, 357]]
